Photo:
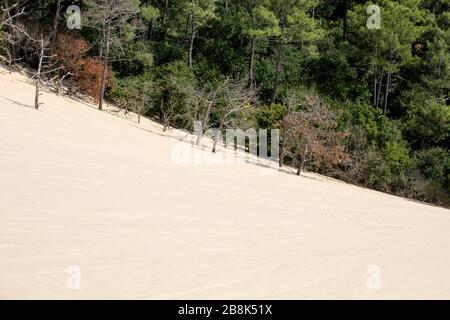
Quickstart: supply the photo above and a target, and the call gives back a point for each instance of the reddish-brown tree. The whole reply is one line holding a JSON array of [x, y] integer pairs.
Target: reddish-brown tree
[[90, 79], [83, 73]]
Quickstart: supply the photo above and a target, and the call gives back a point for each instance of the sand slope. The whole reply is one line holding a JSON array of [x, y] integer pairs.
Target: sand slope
[[86, 188]]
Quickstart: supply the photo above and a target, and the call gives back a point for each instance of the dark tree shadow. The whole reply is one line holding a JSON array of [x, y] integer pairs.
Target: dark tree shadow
[[22, 104]]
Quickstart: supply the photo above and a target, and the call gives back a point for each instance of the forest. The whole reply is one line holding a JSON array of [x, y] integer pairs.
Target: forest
[[360, 90]]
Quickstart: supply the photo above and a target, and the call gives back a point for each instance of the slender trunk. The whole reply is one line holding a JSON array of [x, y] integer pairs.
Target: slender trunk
[[302, 163], [11, 52], [102, 42], [139, 118], [277, 69], [280, 162], [375, 87], [344, 31], [150, 30], [205, 121], [217, 136], [161, 110], [55, 27], [38, 75], [186, 30], [10, 60], [379, 89], [164, 18], [105, 66], [388, 83], [375, 75], [191, 42], [36, 96], [166, 121], [252, 61]]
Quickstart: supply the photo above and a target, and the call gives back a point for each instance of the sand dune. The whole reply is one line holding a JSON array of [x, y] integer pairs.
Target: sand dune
[[84, 188]]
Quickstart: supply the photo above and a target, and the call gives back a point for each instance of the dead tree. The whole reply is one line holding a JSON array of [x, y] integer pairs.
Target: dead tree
[[12, 30], [208, 102], [7, 17], [47, 65], [236, 97], [168, 112]]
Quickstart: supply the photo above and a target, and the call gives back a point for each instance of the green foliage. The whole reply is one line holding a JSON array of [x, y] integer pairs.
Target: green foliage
[[258, 21], [426, 122], [134, 94], [149, 13], [397, 160], [175, 83], [268, 116], [434, 163]]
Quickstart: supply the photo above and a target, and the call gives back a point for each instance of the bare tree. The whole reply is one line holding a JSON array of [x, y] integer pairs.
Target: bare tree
[[222, 102], [168, 112], [47, 65], [208, 101], [236, 97], [107, 16], [13, 32], [7, 17]]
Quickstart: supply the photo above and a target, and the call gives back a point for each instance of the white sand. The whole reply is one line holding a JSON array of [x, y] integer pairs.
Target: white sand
[[86, 188]]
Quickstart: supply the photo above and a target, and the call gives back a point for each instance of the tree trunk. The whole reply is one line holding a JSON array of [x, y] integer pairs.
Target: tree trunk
[[252, 61], [166, 123], [216, 137], [186, 30], [164, 18], [150, 30], [105, 66], [379, 89], [277, 70], [12, 51], [161, 119], [36, 96], [205, 121], [55, 27], [191, 42], [280, 161], [38, 75], [102, 43], [344, 31], [302, 163], [388, 83], [375, 75]]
